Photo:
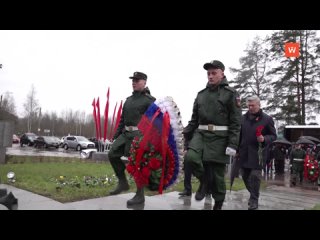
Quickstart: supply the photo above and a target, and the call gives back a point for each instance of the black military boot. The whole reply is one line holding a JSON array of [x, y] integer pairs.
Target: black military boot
[[202, 190], [138, 198], [253, 205], [122, 185], [218, 205]]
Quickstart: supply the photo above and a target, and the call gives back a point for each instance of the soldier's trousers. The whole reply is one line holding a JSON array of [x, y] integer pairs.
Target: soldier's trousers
[[187, 177], [297, 171], [252, 180], [211, 172], [120, 147]]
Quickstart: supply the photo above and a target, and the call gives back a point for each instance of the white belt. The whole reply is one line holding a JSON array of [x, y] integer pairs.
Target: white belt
[[211, 127], [298, 159], [131, 128]]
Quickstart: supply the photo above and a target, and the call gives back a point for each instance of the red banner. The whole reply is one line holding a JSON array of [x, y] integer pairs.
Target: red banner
[[98, 119], [106, 117], [114, 113], [95, 116], [118, 117]]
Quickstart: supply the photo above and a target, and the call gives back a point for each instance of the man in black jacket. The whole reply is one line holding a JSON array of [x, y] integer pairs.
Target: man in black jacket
[[257, 132]]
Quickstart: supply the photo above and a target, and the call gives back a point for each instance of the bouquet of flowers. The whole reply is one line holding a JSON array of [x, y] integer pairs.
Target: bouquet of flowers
[[260, 149], [155, 156], [311, 168]]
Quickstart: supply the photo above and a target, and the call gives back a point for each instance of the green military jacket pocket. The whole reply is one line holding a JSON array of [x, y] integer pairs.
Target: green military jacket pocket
[[212, 145]]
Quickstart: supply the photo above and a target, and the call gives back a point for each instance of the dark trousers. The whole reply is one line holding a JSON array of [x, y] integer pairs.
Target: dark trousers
[[214, 175], [297, 171], [252, 180], [187, 177], [279, 165]]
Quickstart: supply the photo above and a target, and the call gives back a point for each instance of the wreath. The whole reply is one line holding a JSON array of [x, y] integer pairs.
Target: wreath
[[148, 171], [311, 169], [156, 156]]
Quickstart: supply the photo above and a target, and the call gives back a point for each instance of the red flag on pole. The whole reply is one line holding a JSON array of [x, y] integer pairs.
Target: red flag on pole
[[106, 117], [118, 117], [95, 116], [98, 119], [114, 113]]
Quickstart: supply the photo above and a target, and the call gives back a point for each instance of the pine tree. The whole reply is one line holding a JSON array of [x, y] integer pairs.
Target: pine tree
[[295, 80], [251, 77]]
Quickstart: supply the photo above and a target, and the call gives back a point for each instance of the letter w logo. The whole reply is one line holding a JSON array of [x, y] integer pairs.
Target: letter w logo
[[292, 49]]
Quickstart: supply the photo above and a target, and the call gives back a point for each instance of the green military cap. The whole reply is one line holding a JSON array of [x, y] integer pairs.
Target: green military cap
[[214, 64], [139, 75]]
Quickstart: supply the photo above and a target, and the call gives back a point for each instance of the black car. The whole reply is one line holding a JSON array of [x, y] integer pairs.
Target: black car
[[28, 139], [47, 141]]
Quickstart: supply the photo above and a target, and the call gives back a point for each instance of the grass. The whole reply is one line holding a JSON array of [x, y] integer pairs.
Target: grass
[[46, 176], [316, 207]]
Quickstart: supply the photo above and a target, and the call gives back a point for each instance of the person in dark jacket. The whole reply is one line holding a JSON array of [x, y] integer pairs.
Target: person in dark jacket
[[133, 109], [279, 154], [257, 133]]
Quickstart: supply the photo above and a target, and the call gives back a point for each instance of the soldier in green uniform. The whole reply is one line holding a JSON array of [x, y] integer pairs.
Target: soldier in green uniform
[[213, 132], [297, 159], [133, 109]]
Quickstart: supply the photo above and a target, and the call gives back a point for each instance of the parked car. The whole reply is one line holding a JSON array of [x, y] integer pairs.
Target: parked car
[[47, 141], [77, 142], [28, 139], [15, 139], [95, 141], [61, 141]]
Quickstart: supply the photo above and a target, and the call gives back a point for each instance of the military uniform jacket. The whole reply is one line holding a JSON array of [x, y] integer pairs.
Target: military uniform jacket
[[217, 105], [133, 109], [248, 150], [297, 153]]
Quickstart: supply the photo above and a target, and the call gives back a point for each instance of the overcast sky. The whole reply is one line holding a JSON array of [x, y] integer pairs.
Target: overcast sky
[[70, 68]]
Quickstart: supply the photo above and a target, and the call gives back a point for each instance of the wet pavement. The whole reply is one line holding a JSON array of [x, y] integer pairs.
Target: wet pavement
[[278, 195], [31, 151], [272, 198]]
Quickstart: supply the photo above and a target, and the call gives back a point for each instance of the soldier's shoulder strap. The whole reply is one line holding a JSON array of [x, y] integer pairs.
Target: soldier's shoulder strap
[[202, 90], [149, 96], [230, 89]]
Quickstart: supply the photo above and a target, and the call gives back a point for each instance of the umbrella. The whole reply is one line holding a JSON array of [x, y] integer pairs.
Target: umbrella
[[235, 167], [313, 139], [304, 141], [282, 141]]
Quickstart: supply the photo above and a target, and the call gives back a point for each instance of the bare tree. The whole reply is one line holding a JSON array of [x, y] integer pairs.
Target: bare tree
[[31, 107], [7, 103]]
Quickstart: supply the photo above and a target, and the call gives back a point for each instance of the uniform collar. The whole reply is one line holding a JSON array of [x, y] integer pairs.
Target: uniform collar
[[224, 82]]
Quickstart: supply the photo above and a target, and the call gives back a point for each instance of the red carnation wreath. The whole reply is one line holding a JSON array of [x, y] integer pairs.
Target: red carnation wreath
[[311, 169]]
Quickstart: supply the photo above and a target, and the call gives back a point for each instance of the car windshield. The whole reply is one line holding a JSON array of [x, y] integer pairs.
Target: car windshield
[[31, 135], [80, 138]]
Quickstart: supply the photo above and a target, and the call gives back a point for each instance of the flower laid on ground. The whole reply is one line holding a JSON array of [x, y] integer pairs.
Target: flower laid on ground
[[311, 169], [89, 181], [92, 181], [63, 181], [258, 134]]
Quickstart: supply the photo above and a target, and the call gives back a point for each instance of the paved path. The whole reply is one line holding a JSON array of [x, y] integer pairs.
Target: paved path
[[272, 198]]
